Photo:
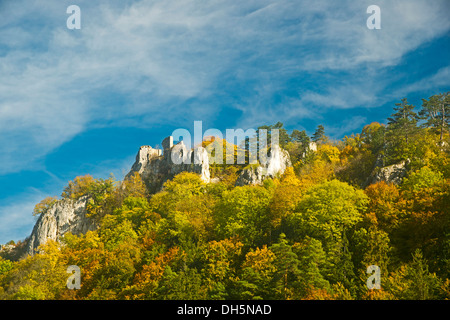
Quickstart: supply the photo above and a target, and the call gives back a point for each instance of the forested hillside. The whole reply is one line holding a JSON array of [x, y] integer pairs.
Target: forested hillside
[[308, 234]]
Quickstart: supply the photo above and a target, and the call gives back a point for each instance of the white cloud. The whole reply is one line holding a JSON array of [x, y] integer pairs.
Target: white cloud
[[16, 219], [440, 79], [347, 43], [160, 54], [348, 125]]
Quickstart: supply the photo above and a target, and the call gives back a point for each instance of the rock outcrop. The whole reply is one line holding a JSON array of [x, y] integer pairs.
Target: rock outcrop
[[156, 166], [277, 162], [64, 216], [390, 174]]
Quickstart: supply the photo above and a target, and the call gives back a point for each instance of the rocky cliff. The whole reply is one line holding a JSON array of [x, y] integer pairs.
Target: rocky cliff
[[277, 162], [64, 216], [389, 174], [155, 166]]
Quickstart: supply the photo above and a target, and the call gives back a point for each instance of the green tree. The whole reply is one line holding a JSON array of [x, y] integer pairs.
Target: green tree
[[339, 264], [137, 210], [102, 198], [436, 113], [243, 212], [183, 186], [185, 205], [370, 247], [312, 262], [299, 145], [286, 263], [401, 128], [283, 135], [327, 209], [373, 136], [425, 177], [425, 222], [5, 265], [423, 284], [256, 274], [115, 232], [319, 135], [300, 137], [102, 194], [413, 281], [404, 120], [182, 285]]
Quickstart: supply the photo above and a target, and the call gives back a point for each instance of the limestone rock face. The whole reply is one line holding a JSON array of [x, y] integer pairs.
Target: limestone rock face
[[251, 175], [277, 162], [156, 167], [195, 160], [390, 174], [64, 216], [145, 155]]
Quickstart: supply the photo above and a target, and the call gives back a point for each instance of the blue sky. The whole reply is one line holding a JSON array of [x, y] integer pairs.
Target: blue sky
[[74, 102]]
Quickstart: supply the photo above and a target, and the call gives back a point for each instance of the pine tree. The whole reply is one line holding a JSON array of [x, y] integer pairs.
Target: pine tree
[[312, 260], [404, 121], [300, 137], [319, 134], [436, 112], [423, 285], [286, 263], [402, 126], [283, 136]]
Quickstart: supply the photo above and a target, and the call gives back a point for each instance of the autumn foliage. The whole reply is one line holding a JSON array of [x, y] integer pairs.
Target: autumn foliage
[[308, 234]]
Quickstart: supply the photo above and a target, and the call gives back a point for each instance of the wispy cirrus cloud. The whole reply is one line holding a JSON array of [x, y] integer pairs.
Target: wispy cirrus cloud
[[16, 218], [168, 62], [439, 79], [145, 62]]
